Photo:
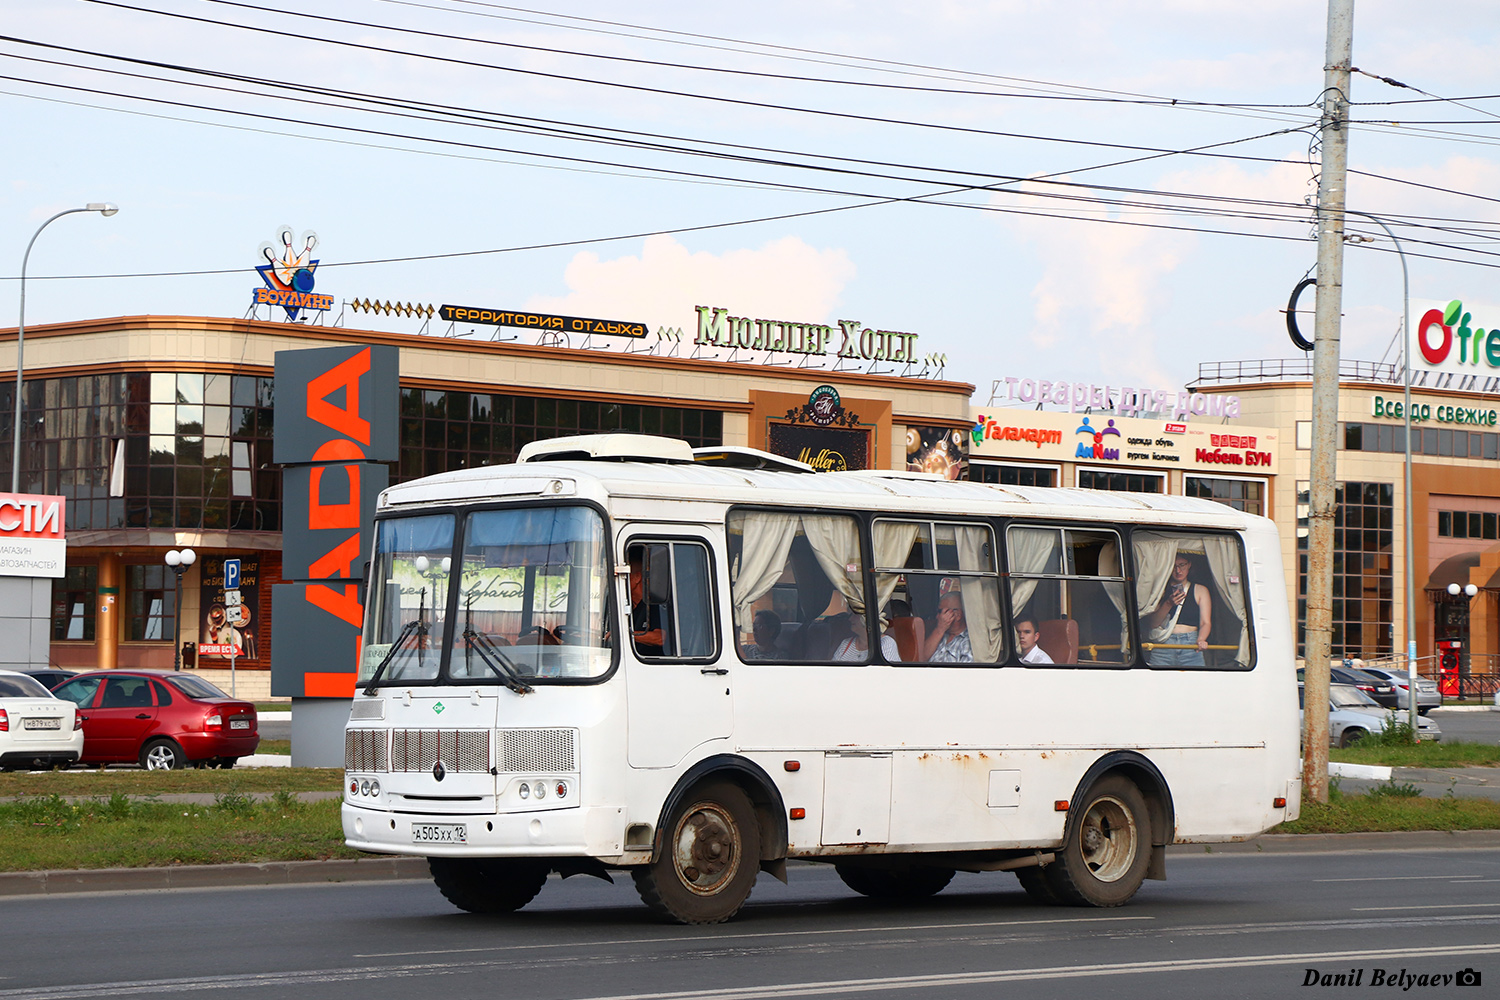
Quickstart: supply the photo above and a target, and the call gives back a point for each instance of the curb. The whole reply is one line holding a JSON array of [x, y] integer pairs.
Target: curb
[[1328, 843], [54, 883], [391, 869]]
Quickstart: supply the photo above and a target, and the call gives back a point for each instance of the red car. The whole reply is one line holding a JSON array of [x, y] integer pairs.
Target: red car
[[159, 719]]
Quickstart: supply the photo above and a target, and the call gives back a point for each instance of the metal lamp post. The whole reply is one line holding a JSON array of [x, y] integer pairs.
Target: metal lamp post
[[179, 561], [103, 208]]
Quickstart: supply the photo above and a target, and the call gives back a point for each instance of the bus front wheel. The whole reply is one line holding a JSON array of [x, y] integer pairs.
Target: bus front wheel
[[709, 857], [488, 885], [1107, 847]]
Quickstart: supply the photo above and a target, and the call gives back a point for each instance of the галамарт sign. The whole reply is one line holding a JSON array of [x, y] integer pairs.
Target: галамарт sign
[[542, 321]]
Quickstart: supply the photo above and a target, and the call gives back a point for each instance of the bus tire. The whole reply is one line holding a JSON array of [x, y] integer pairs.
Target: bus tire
[[488, 885], [1033, 879], [709, 857], [1107, 847], [914, 882]]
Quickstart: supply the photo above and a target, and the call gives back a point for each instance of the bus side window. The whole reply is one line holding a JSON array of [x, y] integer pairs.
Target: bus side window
[[671, 600]]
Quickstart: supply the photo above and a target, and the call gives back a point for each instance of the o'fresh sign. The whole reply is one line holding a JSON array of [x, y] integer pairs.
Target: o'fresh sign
[[1450, 339]]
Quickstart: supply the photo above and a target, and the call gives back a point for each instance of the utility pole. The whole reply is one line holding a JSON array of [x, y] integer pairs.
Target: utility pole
[[1334, 131]]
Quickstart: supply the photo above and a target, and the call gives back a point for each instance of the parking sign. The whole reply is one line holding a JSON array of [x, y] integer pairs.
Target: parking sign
[[231, 574]]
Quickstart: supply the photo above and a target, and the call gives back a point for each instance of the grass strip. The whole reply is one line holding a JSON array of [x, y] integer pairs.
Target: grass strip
[[46, 832], [132, 781], [1370, 751], [1393, 807]]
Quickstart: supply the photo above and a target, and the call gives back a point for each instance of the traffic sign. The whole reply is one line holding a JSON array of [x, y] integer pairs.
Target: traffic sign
[[231, 574], [231, 598]]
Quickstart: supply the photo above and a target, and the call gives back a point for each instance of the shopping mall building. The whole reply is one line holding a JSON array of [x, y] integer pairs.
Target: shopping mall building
[[158, 432], [1241, 435]]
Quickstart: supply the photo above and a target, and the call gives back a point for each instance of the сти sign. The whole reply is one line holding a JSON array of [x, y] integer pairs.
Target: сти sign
[[335, 424], [32, 540]]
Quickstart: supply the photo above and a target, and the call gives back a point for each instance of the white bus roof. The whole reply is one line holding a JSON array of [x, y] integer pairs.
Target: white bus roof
[[655, 476]]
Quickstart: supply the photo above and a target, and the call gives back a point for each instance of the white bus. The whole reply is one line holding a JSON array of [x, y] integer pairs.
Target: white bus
[[619, 654]]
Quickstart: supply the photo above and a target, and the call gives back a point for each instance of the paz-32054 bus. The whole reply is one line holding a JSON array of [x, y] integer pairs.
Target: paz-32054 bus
[[622, 654]]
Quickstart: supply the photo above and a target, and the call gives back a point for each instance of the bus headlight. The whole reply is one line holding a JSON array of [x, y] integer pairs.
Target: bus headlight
[[540, 791], [525, 790]]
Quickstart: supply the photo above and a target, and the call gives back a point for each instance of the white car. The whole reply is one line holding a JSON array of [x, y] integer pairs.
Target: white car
[[37, 730], [1428, 695], [1353, 715]]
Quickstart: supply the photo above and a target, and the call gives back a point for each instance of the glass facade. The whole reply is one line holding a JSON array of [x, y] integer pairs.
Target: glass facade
[[1363, 568], [442, 430], [1012, 475], [1121, 482], [1248, 495], [149, 450], [1442, 442]]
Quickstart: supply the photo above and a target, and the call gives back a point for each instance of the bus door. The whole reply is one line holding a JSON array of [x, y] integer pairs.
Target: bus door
[[677, 672]]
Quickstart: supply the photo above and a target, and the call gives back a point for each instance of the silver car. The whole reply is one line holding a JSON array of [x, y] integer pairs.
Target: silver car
[[1428, 695], [1353, 715]]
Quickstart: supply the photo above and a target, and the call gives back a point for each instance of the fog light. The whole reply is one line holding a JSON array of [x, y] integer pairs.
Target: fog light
[[540, 791], [353, 787], [525, 790], [562, 789]]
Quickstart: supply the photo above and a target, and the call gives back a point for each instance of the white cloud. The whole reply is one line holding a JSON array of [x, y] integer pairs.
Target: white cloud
[[783, 278]]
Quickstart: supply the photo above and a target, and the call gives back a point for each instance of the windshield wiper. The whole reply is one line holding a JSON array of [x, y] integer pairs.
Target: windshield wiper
[[500, 665], [493, 657], [416, 627]]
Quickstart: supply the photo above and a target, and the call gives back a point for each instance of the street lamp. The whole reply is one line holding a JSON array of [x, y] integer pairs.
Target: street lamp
[[104, 208], [179, 562]]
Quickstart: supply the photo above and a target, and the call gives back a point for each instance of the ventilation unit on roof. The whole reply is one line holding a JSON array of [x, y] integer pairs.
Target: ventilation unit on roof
[[735, 457], [607, 447]]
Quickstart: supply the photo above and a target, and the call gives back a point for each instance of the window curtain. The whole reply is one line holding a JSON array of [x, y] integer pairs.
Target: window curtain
[[766, 543], [1032, 550], [980, 594], [835, 542], [1154, 556], [1109, 565], [893, 542], [1223, 556]]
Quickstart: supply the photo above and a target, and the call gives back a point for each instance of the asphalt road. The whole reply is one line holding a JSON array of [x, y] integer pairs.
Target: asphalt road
[[1467, 726], [1224, 925]]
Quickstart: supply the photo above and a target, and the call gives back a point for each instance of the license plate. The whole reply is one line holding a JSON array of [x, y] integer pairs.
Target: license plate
[[440, 833], [239, 723], [41, 724]]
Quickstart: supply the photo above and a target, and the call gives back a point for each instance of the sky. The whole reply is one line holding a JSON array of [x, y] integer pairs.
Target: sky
[[1004, 179]]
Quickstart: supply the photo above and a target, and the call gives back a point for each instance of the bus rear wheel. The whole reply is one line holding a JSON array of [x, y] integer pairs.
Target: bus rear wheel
[[1107, 847], [915, 882], [488, 885], [1037, 885], [709, 857]]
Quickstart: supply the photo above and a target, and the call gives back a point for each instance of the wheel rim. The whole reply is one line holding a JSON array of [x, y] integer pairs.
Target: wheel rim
[[160, 758], [1108, 838], [705, 849]]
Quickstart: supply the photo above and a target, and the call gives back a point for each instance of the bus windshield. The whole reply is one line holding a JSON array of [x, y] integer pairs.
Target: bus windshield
[[532, 598]]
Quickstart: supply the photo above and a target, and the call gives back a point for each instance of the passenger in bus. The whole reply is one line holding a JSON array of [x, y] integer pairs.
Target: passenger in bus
[[949, 640], [1027, 635], [855, 646], [767, 629], [1182, 618], [645, 617]]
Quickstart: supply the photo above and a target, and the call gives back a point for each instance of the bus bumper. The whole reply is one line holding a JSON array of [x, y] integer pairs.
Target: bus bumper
[[585, 831]]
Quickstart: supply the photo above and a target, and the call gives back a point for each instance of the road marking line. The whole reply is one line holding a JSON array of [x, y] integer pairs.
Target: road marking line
[[1397, 878], [1435, 906], [714, 939], [282, 980]]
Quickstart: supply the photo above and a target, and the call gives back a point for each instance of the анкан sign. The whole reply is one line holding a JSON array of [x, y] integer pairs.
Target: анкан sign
[[32, 540]]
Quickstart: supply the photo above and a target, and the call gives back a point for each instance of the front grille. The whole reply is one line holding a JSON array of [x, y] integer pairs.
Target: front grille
[[523, 750], [459, 749], [365, 750]]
